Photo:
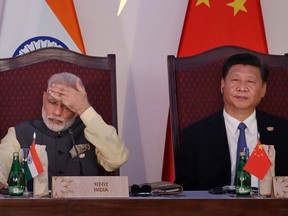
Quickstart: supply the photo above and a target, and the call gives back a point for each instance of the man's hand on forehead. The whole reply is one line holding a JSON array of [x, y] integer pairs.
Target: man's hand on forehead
[[75, 98], [60, 90]]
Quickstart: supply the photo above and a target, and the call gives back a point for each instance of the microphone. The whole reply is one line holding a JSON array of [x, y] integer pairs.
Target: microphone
[[74, 145]]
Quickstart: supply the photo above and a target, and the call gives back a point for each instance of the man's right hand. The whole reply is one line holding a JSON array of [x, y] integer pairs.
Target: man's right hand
[[75, 99]]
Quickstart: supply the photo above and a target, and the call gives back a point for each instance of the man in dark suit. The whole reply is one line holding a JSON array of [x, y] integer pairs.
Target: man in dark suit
[[208, 155]]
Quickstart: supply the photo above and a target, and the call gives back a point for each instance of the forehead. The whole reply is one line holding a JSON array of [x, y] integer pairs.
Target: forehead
[[49, 97], [245, 70], [63, 82]]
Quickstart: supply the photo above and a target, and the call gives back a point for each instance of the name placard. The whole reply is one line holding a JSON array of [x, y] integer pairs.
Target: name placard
[[280, 187], [89, 186]]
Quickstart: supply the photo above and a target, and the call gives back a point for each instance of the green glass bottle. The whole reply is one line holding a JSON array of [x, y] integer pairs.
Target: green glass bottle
[[16, 178], [243, 178]]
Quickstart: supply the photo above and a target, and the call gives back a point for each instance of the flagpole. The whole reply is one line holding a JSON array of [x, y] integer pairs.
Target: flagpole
[[24, 165], [25, 158]]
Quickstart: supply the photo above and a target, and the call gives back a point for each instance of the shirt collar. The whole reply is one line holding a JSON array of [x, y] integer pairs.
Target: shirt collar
[[233, 123]]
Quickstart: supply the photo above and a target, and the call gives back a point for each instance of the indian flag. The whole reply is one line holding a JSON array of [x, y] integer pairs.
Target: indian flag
[[34, 166], [48, 23]]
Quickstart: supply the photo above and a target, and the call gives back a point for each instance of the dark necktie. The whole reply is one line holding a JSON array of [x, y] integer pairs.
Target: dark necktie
[[241, 145]]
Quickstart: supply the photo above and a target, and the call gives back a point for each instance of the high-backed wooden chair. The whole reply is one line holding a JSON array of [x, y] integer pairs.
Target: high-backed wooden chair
[[194, 87], [24, 78]]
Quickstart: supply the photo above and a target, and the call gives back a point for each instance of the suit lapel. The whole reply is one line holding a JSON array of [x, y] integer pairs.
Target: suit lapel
[[218, 132], [266, 127]]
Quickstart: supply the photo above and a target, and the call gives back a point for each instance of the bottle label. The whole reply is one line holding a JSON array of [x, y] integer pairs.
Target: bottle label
[[15, 190], [243, 190]]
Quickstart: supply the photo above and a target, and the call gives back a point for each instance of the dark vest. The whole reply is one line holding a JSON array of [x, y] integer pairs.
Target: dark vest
[[58, 145]]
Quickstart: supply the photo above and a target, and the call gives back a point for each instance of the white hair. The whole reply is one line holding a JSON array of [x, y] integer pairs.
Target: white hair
[[64, 78]]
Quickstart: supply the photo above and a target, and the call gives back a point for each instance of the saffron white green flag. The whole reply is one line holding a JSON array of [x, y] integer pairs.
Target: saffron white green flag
[[34, 166], [27, 25]]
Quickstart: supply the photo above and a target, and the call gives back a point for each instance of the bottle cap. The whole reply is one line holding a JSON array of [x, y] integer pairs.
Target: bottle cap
[[242, 154]]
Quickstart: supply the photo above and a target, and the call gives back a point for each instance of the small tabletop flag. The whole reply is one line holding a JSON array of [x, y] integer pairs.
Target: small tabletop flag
[[258, 163], [34, 166]]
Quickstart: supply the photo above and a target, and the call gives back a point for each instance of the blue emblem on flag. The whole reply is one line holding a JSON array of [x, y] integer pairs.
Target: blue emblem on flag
[[29, 159], [38, 43]]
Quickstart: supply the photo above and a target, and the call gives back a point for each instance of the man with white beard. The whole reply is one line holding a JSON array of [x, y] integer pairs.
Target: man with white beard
[[69, 124]]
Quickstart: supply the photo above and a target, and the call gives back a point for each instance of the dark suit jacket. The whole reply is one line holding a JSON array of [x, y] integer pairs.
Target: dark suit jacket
[[204, 158]]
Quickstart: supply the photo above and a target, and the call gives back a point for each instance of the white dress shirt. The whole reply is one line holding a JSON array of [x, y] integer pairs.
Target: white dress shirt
[[251, 134]]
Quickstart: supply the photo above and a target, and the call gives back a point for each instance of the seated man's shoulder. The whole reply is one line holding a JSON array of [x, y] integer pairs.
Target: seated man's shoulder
[[213, 119], [273, 119]]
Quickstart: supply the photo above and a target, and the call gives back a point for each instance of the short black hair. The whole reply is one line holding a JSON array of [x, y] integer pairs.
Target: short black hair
[[245, 59]]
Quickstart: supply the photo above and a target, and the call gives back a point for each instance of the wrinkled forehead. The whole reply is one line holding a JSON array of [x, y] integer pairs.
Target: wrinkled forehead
[[49, 97], [63, 83]]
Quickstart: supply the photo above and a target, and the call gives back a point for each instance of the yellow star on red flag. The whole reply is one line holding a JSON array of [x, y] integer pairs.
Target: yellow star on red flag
[[238, 5], [203, 1]]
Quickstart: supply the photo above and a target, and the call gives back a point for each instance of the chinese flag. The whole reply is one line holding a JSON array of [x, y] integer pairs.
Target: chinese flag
[[258, 163], [210, 24]]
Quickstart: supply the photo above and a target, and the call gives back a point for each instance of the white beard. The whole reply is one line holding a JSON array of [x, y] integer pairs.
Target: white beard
[[57, 127]]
